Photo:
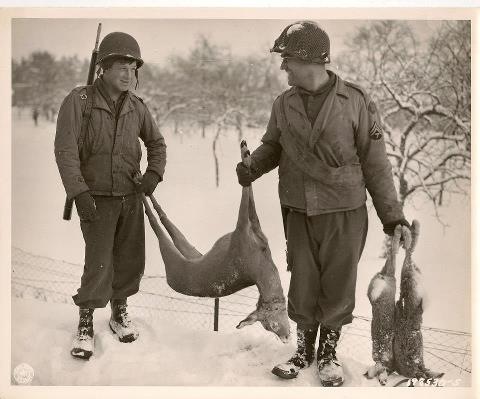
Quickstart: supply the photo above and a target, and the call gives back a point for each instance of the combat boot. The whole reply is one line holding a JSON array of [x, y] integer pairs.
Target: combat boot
[[83, 342], [329, 368], [302, 358], [120, 322]]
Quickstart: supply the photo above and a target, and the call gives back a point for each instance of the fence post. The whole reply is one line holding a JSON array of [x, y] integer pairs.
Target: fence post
[[215, 314]]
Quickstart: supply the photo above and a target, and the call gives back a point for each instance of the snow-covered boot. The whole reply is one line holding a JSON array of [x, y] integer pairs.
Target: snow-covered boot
[[330, 370], [83, 342], [302, 358], [120, 322]]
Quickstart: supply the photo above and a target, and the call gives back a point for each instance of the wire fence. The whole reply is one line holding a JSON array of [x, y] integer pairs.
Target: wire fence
[[51, 280]]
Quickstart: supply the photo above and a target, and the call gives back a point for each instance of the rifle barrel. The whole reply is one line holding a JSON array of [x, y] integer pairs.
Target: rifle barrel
[[67, 209], [93, 59], [99, 29]]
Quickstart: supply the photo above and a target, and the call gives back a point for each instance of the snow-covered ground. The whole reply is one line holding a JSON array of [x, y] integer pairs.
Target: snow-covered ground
[[167, 354], [171, 355]]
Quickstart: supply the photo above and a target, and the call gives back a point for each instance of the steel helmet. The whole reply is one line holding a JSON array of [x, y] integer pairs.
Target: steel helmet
[[304, 40], [119, 44]]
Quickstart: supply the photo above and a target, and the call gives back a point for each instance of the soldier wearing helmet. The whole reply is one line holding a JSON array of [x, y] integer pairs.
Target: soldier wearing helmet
[[325, 136], [98, 153]]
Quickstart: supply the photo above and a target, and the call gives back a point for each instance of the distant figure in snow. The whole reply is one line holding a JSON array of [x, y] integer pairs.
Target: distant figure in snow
[[325, 136], [96, 167], [35, 115], [46, 111]]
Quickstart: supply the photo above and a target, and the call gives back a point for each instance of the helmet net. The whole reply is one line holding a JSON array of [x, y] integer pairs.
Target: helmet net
[[304, 40]]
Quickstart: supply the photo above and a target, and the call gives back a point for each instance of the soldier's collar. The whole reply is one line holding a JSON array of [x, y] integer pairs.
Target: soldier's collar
[[105, 101], [341, 88], [326, 87]]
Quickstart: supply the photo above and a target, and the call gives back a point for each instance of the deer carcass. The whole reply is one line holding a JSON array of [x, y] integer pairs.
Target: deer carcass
[[237, 260]]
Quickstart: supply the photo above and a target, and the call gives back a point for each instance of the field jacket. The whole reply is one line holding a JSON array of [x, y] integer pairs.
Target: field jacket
[[110, 152], [327, 167]]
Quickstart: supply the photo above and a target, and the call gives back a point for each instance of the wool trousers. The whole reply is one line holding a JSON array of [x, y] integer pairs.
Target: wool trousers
[[114, 251], [323, 252]]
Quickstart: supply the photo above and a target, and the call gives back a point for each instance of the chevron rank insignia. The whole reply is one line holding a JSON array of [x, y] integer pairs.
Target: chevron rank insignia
[[375, 131]]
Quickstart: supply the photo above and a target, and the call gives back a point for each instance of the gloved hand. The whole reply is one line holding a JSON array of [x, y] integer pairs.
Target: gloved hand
[[246, 175], [86, 208], [389, 228], [149, 182]]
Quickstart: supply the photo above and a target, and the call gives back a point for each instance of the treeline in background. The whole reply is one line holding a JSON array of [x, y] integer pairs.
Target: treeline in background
[[422, 89]]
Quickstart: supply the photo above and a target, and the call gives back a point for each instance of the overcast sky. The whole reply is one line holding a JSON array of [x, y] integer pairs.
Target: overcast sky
[[160, 38]]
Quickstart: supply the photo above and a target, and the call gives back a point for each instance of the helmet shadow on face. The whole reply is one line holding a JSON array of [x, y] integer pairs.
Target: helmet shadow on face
[[300, 72]]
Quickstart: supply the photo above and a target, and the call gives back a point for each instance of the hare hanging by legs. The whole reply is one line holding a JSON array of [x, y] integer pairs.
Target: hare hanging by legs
[[381, 293], [408, 340]]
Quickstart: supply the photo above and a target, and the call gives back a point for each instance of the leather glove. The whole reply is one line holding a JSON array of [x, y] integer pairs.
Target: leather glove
[[86, 208], [389, 228], [246, 175], [149, 182]]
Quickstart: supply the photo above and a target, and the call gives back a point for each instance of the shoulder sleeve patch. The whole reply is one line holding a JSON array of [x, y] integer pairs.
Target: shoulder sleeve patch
[[375, 131], [375, 127]]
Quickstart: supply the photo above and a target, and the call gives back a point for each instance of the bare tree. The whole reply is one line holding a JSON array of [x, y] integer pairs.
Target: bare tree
[[422, 91], [41, 81], [212, 89]]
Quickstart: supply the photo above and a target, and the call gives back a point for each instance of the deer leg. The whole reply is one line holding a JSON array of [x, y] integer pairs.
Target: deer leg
[[254, 222], [153, 221], [247, 212], [243, 220], [252, 212], [179, 240], [166, 246]]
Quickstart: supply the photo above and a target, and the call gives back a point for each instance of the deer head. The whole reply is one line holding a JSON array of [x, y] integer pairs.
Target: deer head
[[272, 315]]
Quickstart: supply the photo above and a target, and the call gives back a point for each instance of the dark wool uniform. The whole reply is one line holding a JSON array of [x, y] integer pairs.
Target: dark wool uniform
[[329, 148], [103, 163]]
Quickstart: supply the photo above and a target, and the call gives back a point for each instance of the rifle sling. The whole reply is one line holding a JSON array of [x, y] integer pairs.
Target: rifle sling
[[86, 116]]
